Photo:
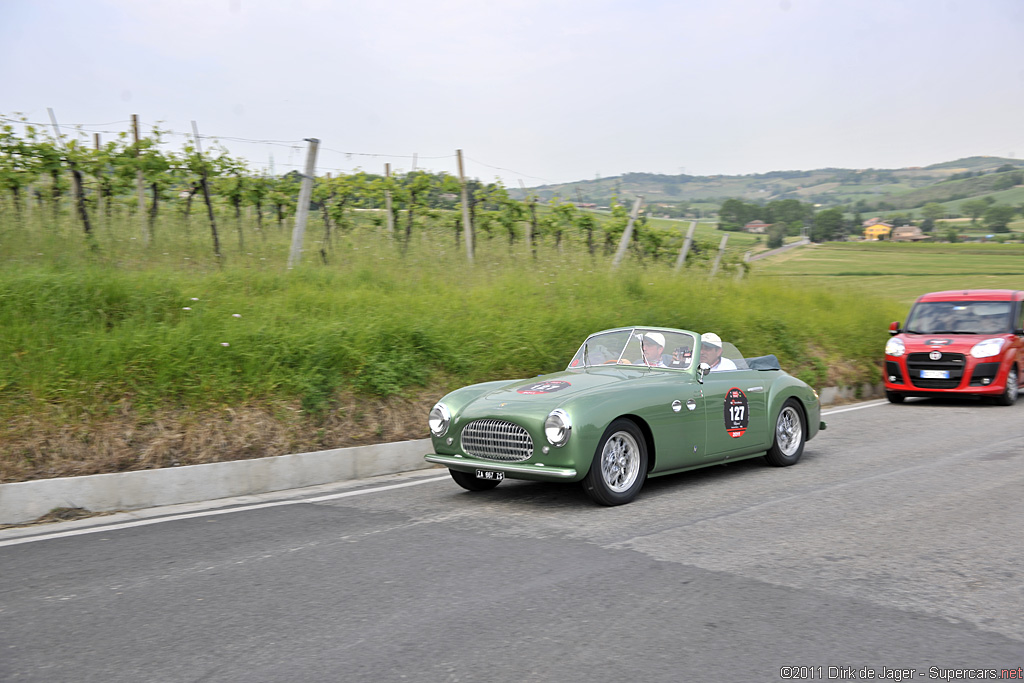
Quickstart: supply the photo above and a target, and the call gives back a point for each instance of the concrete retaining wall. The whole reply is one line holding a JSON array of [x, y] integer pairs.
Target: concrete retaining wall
[[25, 501]]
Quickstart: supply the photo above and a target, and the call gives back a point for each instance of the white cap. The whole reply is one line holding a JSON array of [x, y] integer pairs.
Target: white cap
[[656, 337], [712, 339]]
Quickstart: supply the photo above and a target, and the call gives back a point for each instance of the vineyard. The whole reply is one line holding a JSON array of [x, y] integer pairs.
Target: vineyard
[[175, 330]]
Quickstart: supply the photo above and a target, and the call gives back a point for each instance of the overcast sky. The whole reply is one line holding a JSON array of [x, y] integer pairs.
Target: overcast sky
[[538, 91]]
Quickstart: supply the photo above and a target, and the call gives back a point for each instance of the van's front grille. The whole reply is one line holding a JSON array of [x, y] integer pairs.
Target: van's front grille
[[952, 363]]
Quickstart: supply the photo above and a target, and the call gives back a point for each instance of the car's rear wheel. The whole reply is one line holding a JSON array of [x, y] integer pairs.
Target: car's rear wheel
[[790, 435], [894, 397], [471, 483], [619, 468], [1009, 397]]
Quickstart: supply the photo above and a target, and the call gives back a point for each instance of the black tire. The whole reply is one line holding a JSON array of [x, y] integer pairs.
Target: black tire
[[1009, 397], [894, 397], [619, 468], [790, 435], [471, 483]]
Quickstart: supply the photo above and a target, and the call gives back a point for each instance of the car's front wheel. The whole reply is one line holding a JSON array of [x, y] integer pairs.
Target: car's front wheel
[[894, 397], [1009, 397], [471, 483], [790, 435], [619, 468]]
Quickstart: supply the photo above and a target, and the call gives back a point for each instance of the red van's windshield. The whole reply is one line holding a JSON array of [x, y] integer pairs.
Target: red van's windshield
[[960, 317]]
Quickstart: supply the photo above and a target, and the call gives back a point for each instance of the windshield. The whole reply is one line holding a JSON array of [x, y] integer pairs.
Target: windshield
[[960, 317], [653, 347]]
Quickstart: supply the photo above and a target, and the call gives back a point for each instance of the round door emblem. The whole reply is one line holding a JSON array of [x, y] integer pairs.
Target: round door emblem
[[935, 355]]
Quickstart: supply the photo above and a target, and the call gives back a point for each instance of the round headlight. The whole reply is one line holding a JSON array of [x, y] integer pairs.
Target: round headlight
[[439, 419], [894, 347], [987, 348], [557, 427]]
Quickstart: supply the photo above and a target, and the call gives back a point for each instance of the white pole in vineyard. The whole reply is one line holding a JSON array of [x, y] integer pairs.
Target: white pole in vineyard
[[302, 210], [686, 245], [529, 225], [718, 258], [627, 234], [140, 185], [465, 209], [387, 201]]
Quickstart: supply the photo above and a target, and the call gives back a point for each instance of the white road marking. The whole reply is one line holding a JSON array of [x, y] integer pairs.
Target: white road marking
[[860, 406], [210, 513]]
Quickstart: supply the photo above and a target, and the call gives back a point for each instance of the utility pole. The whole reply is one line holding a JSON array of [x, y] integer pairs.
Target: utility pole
[[206, 194], [387, 200], [686, 245], [140, 184], [627, 234], [465, 208], [718, 258], [302, 210]]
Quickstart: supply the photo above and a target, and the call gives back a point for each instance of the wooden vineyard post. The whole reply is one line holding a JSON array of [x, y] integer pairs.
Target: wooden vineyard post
[[686, 245], [302, 210], [140, 184], [465, 209], [627, 234]]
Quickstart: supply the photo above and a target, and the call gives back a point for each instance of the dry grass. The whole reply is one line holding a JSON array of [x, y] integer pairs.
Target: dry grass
[[49, 445]]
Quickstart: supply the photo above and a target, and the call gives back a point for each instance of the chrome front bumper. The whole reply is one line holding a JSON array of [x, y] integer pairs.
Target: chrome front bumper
[[511, 468]]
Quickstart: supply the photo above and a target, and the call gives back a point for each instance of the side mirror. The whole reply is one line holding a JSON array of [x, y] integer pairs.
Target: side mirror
[[702, 371], [894, 327]]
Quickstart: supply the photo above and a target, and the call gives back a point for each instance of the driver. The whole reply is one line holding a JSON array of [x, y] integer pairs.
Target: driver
[[653, 345], [711, 352]]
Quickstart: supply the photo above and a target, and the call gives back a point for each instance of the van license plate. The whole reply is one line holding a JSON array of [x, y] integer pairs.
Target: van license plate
[[488, 474], [935, 374]]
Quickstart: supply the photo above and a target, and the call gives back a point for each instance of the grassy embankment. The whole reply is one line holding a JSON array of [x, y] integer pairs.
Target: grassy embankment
[[129, 357]]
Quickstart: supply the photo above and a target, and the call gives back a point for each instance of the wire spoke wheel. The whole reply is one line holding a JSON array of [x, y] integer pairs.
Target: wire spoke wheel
[[619, 468], [789, 431], [789, 436], [620, 461]]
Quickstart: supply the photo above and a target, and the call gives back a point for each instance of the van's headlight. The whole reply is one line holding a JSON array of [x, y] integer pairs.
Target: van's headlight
[[557, 427], [439, 419], [987, 348], [895, 347]]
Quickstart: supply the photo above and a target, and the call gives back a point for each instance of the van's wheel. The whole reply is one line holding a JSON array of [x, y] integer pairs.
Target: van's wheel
[[1009, 397], [894, 397], [790, 435], [619, 468], [471, 483]]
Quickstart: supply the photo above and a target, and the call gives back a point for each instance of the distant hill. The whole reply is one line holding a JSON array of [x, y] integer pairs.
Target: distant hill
[[874, 188]]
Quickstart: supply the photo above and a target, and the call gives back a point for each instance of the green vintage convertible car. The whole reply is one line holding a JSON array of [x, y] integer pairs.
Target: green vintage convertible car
[[634, 402]]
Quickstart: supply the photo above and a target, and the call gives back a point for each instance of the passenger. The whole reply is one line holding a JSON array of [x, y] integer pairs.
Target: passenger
[[711, 352]]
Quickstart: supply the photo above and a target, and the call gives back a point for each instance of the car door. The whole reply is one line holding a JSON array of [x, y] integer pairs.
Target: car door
[[735, 408]]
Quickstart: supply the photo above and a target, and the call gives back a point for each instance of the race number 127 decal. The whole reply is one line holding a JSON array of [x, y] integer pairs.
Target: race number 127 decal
[[737, 413]]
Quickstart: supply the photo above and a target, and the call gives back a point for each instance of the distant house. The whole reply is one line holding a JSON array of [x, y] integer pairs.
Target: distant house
[[758, 227], [871, 221], [878, 230], [907, 233]]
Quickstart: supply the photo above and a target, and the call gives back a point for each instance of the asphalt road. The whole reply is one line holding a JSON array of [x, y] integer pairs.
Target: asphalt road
[[894, 544]]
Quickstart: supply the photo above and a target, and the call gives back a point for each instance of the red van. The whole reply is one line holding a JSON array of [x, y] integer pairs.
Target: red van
[[965, 341]]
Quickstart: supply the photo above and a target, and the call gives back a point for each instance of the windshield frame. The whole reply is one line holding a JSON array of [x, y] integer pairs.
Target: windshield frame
[[618, 353]]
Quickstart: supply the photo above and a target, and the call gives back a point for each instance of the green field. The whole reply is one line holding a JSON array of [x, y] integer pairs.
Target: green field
[[900, 271]]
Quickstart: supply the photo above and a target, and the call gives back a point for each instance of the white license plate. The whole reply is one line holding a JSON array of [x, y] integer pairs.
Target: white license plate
[[935, 374], [488, 474]]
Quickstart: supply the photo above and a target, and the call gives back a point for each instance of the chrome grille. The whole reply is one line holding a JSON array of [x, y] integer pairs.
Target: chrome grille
[[497, 440]]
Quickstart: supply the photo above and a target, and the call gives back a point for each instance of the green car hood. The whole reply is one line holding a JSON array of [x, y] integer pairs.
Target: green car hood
[[557, 387]]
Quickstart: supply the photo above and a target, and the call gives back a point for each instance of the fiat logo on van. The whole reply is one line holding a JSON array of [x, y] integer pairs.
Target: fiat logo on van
[[935, 355]]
